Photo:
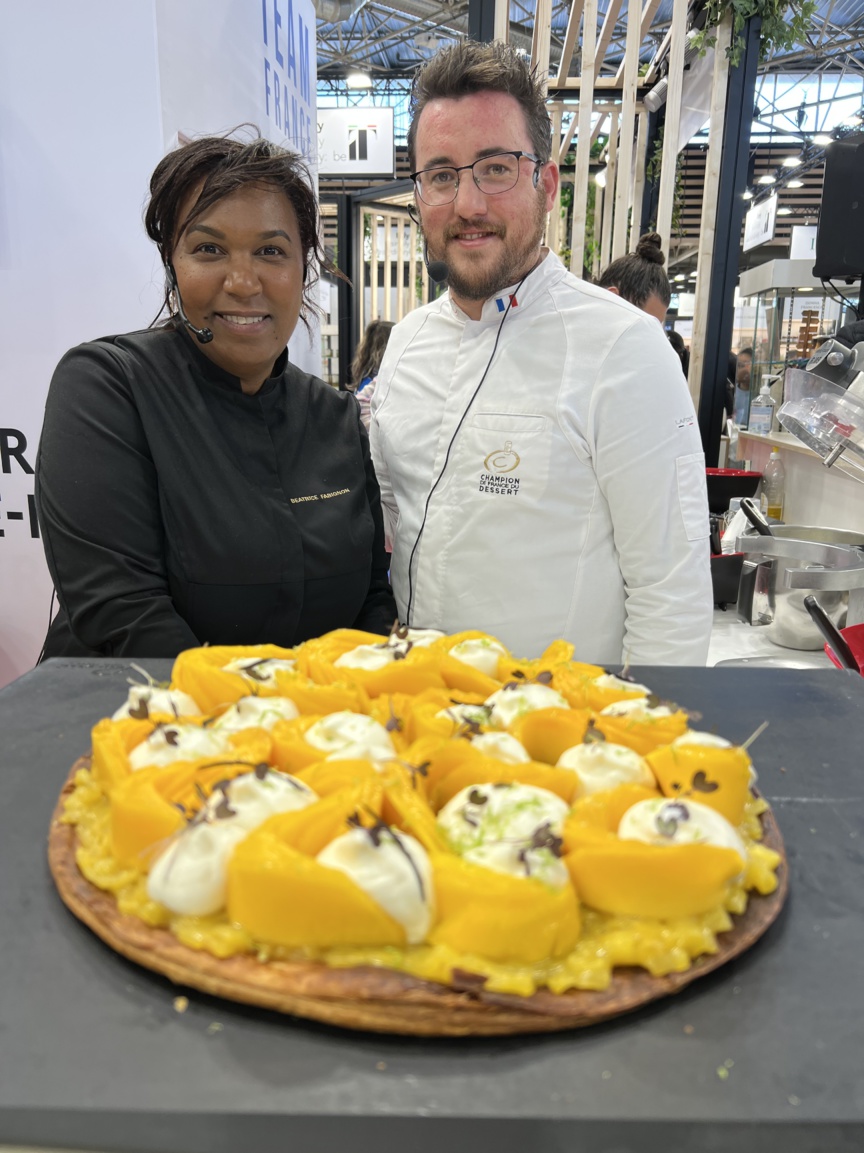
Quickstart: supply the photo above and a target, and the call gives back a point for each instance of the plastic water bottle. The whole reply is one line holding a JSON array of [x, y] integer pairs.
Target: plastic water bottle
[[762, 409], [773, 487]]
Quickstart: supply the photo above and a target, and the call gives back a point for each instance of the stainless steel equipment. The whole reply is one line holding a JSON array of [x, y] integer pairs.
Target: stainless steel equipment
[[779, 571]]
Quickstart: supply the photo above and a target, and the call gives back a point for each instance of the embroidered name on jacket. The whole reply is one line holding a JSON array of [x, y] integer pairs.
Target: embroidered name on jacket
[[319, 496], [498, 476]]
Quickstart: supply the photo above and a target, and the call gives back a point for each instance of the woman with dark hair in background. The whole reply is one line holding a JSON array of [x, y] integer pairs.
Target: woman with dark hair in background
[[192, 485], [639, 277], [367, 361]]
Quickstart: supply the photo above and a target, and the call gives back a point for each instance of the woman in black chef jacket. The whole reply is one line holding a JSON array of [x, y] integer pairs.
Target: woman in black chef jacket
[[192, 485]]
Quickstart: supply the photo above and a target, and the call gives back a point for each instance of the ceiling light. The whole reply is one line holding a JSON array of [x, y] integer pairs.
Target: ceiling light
[[795, 184], [358, 80], [748, 194], [784, 211], [767, 179], [679, 277], [600, 177], [791, 161], [823, 140]]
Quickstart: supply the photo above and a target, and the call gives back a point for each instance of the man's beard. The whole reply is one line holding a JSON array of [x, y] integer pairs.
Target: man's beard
[[481, 283]]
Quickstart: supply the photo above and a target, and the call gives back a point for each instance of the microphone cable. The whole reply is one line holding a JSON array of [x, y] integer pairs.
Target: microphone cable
[[513, 294]]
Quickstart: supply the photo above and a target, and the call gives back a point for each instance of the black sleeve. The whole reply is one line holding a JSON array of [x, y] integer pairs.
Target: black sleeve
[[97, 497], [379, 609]]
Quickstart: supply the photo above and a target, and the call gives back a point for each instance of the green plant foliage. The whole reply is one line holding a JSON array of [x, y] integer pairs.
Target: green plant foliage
[[785, 23]]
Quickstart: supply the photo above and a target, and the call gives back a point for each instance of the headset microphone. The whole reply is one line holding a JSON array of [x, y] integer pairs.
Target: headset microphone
[[204, 335], [437, 269]]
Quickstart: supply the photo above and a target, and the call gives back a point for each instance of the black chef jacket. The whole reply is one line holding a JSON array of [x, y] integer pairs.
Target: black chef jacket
[[178, 511]]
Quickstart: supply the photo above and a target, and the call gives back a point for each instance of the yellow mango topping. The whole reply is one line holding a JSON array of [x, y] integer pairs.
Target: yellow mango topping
[[540, 921], [281, 895], [642, 734], [201, 674], [547, 733], [634, 879], [719, 778]]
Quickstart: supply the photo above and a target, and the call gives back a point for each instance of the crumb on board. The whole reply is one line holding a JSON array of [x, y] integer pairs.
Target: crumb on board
[[688, 1029], [215, 1027], [381, 1066], [181, 1004]]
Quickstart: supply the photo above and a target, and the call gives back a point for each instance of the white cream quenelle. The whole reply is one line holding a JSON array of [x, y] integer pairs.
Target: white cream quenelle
[[501, 746], [510, 828], [178, 742], [395, 648], [636, 707], [260, 671], [602, 765], [256, 713], [481, 653], [610, 681], [667, 822], [346, 736], [393, 868], [516, 699], [150, 700], [190, 877]]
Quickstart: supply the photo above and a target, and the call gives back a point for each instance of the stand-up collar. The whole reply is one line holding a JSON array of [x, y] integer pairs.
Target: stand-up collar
[[517, 295], [212, 372]]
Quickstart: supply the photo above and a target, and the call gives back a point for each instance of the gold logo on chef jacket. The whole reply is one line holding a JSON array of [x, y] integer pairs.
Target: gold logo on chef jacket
[[502, 459], [497, 478]]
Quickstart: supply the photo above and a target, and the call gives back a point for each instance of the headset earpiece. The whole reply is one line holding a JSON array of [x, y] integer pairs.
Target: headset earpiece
[[535, 179]]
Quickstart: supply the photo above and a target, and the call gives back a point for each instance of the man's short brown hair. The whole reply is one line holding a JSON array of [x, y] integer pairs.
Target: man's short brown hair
[[468, 67]]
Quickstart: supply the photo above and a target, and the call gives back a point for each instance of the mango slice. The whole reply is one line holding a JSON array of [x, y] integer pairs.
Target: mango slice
[[633, 879], [642, 733], [539, 921], [719, 778], [281, 895]]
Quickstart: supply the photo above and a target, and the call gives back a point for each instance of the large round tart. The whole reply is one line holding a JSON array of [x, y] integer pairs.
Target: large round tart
[[380, 999]]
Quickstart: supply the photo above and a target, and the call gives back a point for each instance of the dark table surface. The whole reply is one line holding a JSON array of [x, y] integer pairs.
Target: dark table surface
[[767, 1053]]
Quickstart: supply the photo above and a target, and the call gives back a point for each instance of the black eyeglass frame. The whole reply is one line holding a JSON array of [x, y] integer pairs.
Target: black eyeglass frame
[[538, 163]]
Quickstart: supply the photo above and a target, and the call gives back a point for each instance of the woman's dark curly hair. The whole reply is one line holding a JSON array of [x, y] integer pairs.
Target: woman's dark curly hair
[[221, 165]]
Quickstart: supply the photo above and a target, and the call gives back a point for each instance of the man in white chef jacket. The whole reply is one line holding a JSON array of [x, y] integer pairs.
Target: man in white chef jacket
[[539, 459]]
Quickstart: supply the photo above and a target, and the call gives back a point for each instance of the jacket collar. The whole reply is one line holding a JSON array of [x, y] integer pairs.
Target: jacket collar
[[516, 296], [211, 372]]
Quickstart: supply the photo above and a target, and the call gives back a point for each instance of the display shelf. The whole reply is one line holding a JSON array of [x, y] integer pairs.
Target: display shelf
[[793, 314]]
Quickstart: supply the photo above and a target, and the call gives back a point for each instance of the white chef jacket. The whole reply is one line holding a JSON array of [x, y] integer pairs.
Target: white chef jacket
[[572, 501]]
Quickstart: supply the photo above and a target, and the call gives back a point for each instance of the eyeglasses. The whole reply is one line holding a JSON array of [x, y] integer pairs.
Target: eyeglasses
[[492, 174]]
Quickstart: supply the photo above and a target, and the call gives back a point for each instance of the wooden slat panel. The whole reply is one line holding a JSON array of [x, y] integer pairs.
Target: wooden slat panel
[[570, 38], [708, 223], [666, 198], [579, 219], [609, 192], [624, 183], [541, 39]]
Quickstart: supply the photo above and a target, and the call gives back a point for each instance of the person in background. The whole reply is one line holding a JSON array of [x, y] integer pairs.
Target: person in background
[[681, 350], [540, 461], [193, 487], [640, 277], [743, 369], [367, 361]]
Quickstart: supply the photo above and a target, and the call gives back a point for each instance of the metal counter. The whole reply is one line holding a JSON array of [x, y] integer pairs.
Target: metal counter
[[766, 1053]]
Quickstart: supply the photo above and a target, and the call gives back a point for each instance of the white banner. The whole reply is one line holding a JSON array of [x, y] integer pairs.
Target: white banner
[[91, 96]]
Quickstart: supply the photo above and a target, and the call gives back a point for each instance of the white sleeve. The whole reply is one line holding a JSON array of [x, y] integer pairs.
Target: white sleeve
[[650, 467], [388, 500]]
